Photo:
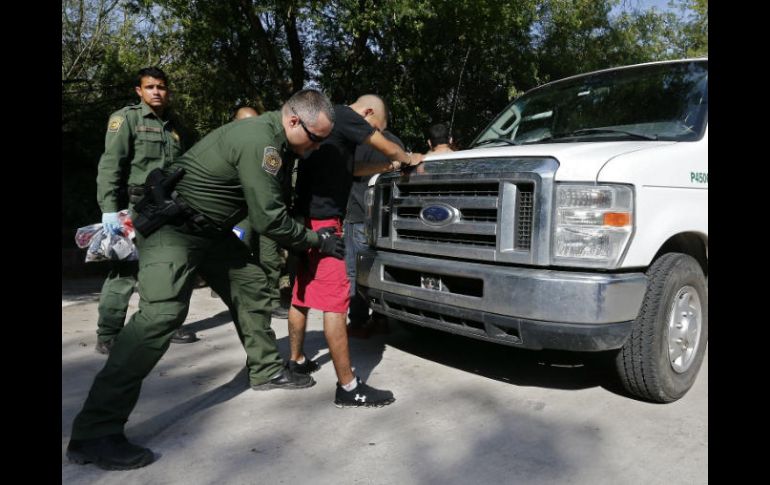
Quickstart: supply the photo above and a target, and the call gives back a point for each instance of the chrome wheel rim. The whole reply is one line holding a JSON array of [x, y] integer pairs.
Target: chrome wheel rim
[[684, 328]]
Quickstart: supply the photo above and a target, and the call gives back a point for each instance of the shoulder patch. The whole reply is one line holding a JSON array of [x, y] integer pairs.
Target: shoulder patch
[[114, 124], [271, 160]]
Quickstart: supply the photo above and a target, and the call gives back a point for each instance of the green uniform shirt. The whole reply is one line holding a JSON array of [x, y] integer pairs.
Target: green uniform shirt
[[137, 141], [234, 172]]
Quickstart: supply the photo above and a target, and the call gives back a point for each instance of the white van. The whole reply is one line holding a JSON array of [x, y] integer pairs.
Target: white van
[[578, 220]]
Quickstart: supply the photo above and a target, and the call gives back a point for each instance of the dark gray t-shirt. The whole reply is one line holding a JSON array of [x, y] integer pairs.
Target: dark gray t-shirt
[[324, 178]]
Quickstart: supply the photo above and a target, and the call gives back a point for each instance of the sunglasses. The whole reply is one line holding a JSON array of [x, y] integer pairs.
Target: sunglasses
[[312, 136]]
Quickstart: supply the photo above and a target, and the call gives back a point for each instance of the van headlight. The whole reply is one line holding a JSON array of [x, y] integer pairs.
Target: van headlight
[[592, 224]]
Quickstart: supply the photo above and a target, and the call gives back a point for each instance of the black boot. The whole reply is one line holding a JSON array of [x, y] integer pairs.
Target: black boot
[[286, 379], [182, 336], [112, 452]]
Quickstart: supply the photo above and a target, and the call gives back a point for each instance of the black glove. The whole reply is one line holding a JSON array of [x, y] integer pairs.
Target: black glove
[[331, 243]]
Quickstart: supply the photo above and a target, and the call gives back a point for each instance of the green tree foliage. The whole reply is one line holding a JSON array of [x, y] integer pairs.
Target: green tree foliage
[[454, 61], [432, 60], [236, 52], [692, 33]]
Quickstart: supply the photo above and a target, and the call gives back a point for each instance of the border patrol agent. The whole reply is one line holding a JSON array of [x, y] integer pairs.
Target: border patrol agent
[[269, 251], [230, 173], [139, 138]]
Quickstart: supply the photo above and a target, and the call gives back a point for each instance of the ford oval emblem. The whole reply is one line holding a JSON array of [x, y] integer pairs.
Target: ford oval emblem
[[438, 214]]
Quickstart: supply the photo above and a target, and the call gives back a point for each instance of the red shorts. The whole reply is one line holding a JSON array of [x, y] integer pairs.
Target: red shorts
[[322, 281]]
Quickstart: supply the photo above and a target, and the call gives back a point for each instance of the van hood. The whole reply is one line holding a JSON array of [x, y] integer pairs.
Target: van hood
[[577, 161]]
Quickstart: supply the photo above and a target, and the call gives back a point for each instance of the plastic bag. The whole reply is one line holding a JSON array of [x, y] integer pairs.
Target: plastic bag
[[84, 235], [104, 247]]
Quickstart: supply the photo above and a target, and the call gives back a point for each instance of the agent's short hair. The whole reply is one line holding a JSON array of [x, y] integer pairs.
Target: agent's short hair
[[439, 134], [308, 103], [153, 71]]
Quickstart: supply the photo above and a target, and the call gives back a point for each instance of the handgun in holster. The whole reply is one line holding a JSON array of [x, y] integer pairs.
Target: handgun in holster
[[157, 207]]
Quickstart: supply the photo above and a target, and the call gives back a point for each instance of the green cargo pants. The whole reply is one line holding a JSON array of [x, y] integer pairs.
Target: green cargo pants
[[271, 262], [168, 261], [113, 301], [269, 258]]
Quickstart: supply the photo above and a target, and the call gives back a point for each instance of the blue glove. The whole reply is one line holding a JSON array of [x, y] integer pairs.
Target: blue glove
[[111, 223]]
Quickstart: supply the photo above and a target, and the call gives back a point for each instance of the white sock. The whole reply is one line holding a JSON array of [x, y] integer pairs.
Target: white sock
[[351, 385], [300, 361]]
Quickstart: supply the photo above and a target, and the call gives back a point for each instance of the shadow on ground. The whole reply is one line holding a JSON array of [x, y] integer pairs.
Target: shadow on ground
[[152, 427], [544, 368], [220, 318]]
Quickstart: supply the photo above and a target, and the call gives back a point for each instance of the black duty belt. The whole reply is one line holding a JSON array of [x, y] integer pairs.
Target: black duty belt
[[196, 222]]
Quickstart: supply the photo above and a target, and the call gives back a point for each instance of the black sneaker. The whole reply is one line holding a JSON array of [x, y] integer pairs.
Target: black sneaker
[[112, 452], [286, 379], [362, 396], [104, 346], [306, 368]]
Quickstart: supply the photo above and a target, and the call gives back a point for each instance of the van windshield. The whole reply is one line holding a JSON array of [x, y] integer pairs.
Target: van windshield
[[652, 102]]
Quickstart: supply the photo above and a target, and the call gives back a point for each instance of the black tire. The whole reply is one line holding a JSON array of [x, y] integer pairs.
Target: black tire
[[643, 363]]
